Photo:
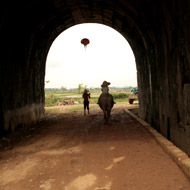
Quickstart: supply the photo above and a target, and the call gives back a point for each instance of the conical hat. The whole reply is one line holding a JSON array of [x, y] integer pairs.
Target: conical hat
[[105, 84]]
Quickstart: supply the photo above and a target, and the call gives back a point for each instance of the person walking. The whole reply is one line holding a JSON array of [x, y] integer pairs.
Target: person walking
[[86, 97]]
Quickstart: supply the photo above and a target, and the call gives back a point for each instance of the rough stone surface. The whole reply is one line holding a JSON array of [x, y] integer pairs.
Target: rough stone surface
[[24, 115], [158, 32]]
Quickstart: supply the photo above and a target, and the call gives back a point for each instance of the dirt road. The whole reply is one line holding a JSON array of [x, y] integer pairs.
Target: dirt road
[[77, 152]]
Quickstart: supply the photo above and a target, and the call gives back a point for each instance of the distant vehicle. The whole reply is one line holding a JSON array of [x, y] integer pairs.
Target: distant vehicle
[[134, 96]]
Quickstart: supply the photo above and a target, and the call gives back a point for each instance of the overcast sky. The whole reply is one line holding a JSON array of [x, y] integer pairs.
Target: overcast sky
[[107, 57]]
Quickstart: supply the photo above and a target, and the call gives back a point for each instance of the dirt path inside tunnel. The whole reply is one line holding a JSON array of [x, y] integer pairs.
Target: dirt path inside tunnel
[[71, 151]]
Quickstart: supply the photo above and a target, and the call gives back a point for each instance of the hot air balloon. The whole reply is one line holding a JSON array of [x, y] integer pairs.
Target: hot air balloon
[[85, 42]]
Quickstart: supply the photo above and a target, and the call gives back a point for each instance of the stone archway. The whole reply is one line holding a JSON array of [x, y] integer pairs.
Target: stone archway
[[158, 33]]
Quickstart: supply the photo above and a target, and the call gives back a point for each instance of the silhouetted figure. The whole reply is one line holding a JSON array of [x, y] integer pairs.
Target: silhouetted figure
[[104, 86], [86, 96], [106, 101]]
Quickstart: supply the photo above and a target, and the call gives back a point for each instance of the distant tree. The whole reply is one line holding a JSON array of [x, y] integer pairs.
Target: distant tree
[[85, 87], [63, 88], [81, 88]]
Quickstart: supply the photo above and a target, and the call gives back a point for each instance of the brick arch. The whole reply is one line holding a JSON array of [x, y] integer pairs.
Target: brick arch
[[158, 32]]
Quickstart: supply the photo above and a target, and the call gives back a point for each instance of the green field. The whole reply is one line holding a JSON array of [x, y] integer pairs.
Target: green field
[[55, 97]]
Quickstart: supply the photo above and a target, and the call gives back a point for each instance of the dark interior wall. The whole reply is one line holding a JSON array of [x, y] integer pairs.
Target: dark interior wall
[[173, 73], [158, 32], [23, 66]]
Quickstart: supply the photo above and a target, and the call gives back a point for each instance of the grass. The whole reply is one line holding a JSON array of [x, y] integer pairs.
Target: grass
[[74, 109], [52, 98], [53, 111], [69, 109]]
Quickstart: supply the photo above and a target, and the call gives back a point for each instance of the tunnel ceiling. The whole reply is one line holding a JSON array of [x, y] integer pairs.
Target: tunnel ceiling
[[38, 22], [127, 17], [136, 20]]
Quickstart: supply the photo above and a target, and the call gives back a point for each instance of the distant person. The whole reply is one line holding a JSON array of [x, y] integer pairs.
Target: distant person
[[104, 89], [135, 90], [104, 86], [86, 97], [106, 101]]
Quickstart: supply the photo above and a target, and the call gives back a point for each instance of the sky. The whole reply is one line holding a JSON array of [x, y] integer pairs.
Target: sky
[[108, 57]]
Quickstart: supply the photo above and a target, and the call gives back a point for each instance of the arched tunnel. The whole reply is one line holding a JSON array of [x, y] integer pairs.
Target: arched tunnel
[[157, 31]]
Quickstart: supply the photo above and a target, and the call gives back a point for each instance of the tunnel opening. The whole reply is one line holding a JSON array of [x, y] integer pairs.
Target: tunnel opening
[[69, 66]]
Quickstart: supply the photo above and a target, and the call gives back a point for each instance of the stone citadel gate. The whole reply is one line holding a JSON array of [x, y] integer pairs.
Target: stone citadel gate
[[159, 35]]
